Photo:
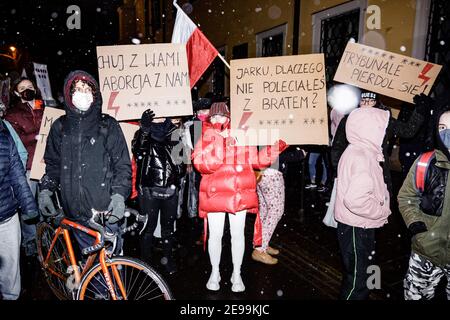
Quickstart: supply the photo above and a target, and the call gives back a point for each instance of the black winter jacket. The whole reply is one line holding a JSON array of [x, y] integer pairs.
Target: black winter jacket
[[87, 156], [14, 189], [395, 128], [157, 164]]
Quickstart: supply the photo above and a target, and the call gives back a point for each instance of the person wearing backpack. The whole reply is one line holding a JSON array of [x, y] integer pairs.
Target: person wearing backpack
[[158, 181], [86, 158], [424, 203]]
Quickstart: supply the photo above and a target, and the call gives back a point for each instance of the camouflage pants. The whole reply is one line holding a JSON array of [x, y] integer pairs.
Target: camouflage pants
[[423, 277]]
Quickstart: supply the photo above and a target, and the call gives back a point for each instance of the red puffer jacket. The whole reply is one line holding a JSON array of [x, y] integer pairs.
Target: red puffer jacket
[[228, 181], [27, 123]]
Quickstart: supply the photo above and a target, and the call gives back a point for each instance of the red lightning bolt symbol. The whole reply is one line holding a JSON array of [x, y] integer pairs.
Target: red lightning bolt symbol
[[423, 74], [112, 97], [244, 119]]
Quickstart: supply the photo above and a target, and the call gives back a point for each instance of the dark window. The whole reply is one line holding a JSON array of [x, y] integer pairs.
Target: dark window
[[240, 51], [438, 43], [272, 46], [335, 34]]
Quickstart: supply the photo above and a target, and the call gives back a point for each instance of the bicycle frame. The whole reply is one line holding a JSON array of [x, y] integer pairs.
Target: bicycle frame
[[63, 230]]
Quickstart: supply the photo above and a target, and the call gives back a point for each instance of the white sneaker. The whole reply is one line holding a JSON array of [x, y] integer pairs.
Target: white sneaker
[[213, 282], [311, 186], [238, 285]]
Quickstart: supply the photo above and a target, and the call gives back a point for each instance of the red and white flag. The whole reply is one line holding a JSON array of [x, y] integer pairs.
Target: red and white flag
[[200, 52]]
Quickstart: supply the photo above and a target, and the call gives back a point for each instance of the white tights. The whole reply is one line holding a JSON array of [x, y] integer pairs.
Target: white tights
[[216, 222]]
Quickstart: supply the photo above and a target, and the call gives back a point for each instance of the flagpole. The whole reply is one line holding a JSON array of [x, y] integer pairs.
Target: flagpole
[[219, 55]]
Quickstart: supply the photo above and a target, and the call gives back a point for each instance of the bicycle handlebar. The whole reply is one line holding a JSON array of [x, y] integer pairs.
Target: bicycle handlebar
[[139, 219], [94, 225]]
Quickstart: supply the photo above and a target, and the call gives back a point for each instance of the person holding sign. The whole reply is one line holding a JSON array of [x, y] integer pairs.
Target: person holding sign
[[86, 158], [228, 185], [158, 181], [395, 128], [362, 198]]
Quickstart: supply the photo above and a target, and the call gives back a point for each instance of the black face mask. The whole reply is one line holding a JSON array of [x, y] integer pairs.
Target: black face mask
[[28, 95]]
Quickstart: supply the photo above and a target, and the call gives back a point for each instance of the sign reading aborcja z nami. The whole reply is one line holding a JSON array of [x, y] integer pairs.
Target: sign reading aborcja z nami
[[134, 78]]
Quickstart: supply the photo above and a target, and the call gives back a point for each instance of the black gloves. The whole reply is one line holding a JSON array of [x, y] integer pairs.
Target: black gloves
[[146, 120], [417, 227], [424, 104]]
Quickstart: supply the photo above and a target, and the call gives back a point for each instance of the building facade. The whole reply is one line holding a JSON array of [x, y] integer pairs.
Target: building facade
[[255, 28]]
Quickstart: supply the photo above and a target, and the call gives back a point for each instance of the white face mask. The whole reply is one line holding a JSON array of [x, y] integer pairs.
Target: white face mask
[[82, 101]]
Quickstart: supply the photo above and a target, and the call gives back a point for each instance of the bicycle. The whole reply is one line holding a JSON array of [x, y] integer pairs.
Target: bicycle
[[111, 278]]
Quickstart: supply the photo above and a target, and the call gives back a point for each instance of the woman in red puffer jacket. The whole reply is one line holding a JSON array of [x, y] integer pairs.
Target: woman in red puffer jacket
[[228, 185]]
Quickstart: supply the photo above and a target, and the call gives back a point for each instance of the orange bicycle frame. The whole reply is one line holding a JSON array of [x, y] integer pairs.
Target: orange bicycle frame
[[72, 260]]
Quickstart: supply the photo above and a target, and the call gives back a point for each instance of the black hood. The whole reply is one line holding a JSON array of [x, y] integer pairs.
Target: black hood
[[71, 110], [442, 106]]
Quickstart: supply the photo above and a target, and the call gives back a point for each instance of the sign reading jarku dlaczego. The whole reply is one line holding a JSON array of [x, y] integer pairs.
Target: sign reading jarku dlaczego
[[279, 98], [385, 72], [134, 78]]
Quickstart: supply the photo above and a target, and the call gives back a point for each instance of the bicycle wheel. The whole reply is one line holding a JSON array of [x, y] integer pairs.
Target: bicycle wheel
[[57, 265], [139, 282]]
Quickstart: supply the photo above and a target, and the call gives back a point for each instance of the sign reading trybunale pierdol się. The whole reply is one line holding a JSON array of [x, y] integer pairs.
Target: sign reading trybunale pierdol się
[[134, 78], [279, 97], [387, 73]]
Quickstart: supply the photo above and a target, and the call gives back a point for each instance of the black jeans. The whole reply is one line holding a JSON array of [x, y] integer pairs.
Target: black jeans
[[357, 245], [168, 209]]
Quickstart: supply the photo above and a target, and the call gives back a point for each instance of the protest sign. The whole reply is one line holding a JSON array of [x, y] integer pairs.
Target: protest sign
[[134, 78], [279, 97], [43, 81], [38, 165], [386, 73]]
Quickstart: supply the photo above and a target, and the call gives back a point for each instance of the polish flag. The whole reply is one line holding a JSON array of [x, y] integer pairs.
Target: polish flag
[[200, 52]]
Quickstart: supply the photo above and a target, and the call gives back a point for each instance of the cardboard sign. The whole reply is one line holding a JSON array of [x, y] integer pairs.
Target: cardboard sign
[[38, 165], [279, 97], [134, 78], [49, 117], [386, 73]]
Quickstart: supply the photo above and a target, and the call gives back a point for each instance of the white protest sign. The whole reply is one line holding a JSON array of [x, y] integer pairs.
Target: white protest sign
[[279, 98], [387, 73], [38, 165], [42, 81], [134, 78]]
